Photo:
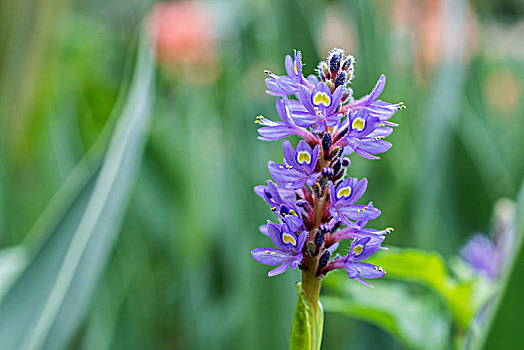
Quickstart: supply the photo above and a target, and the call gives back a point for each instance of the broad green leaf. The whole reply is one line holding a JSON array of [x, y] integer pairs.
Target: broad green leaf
[[505, 320], [306, 332], [428, 268], [413, 319], [45, 306]]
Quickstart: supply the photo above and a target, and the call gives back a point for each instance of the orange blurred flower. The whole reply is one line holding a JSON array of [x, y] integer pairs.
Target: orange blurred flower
[[184, 34]]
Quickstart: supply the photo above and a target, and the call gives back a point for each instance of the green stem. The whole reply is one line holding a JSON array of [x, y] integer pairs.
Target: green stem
[[306, 331]]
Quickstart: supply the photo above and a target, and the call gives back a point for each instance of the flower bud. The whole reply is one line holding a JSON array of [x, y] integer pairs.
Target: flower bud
[[319, 238], [334, 61], [326, 143], [324, 259], [341, 80], [334, 152], [337, 167], [345, 162]]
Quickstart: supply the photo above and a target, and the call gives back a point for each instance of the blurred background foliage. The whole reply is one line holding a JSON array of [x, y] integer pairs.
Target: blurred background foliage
[[179, 274]]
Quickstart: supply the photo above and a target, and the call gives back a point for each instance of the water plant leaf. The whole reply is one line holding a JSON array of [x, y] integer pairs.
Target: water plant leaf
[[428, 268], [413, 319], [47, 303]]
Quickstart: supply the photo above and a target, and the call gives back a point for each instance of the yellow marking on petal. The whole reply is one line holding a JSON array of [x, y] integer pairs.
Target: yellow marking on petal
[[358, 124], [289, 167], [390, 229], [304, 157], [273, 208], [366, 208], [376, 268], [326, 100], [257, 121], [358, 210], [358, 249], [266, 252], [296, 70], [401, 105], [292, 212], [281, 167], [273, 253], [287, 238], [260, 117], [380, 269], [321, 98], [344, 192], [378, 138]]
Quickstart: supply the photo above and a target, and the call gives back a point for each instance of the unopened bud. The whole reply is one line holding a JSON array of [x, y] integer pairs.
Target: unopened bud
[[317, 189], [327, 172], [334, 61], [319, 239], [334, 152], [345, 162], [337, 167], [323, 70], [324, 259], [347, 63], [312, 248], [341, 80], [326, 143]]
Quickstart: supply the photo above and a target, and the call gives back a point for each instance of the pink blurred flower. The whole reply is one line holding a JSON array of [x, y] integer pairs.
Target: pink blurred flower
[[184, 33]]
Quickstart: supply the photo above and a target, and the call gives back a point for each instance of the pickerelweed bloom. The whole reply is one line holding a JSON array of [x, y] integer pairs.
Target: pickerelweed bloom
[[313, 194], [313, 198]]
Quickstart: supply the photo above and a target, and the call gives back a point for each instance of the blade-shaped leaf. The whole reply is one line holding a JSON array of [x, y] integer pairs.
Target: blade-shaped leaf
[[47, 303], [428, 268], [504, 326], [412, 319]]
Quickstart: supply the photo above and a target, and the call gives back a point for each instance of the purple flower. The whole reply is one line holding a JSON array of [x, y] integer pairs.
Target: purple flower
[[362, 249], [343, 198], [481, 254], [277, 130], [289, 84], [364, 135], [298, 168], [288, 252], [377, 108], [320, 107]]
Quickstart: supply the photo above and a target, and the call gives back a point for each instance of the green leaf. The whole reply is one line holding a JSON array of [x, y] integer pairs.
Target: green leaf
[[306, 332], [413, 319], [45, 306], [504, 322], [428, 268]]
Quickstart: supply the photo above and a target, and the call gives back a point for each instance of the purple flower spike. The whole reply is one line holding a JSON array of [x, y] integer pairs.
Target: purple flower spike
[[289, 249], [320, 107], [312, 195], [362, 249], [343, 208], [298, 168]]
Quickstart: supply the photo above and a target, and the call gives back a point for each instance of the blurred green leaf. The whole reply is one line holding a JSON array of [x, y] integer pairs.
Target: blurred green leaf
[[414, 320], [504, 323], [12, 262], [46, 304], [428, 268]]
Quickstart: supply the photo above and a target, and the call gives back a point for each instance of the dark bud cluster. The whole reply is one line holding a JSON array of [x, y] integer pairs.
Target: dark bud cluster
[[337, 70]]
